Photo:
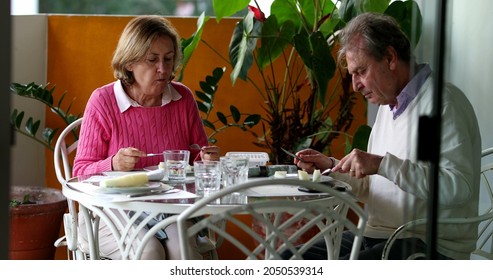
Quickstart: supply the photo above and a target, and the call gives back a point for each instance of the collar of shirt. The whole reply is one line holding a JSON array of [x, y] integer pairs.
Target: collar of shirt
[[124, 101], [411, 90]]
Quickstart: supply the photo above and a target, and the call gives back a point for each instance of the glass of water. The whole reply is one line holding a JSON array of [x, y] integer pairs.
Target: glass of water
[[176, 164], [207, 177], [234, 170]]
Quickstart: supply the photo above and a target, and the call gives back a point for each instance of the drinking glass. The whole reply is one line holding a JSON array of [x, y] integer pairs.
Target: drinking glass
[[234, 170], [176, 163], [207, 177]]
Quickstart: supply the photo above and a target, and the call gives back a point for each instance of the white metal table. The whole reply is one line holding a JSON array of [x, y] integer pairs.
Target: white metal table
[[127, 217]]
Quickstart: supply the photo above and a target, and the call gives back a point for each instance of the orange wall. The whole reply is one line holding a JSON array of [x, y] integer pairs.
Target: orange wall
[[80, 49]]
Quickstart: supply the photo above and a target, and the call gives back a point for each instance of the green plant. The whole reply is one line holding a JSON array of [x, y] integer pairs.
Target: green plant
[[309, 102], [25, 200], [205, 103], [30, 127]]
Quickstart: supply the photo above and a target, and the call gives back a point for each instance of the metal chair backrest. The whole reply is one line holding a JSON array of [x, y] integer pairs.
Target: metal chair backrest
[[281, 224], [484, 245], [63, 170]]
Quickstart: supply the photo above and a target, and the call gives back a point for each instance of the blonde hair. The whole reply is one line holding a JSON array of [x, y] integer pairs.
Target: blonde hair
[[135, 41]]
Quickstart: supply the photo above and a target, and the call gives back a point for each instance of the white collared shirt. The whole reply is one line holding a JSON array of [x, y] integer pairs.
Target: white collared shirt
[[124, 101]]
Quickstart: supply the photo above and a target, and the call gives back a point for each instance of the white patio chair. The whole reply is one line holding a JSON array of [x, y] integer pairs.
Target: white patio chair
[[484, 245], [78, 249], [285, 221], [64, 147]]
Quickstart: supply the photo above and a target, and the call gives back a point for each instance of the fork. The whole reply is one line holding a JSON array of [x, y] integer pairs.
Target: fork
[[196, 147], [326, 171], [153, 155]]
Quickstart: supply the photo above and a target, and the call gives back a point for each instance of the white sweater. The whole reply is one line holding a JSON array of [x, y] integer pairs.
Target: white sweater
[[400, 191]]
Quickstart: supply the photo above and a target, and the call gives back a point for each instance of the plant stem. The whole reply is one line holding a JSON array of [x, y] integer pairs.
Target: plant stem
[[36, 139]]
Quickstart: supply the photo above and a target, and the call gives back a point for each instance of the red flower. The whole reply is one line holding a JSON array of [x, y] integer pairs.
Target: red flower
[[258, 14]]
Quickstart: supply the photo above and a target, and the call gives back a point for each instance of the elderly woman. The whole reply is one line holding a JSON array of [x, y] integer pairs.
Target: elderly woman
[[143, 111]]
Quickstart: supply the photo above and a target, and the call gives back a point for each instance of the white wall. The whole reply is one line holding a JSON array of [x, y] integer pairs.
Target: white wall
[[468, 55], [470, 58], [29, 49]]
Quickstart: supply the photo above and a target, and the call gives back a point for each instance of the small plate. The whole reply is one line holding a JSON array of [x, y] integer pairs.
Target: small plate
[[136, 189]]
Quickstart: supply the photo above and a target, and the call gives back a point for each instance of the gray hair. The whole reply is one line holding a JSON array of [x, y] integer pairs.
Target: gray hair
[[136, 40], [378, 32]]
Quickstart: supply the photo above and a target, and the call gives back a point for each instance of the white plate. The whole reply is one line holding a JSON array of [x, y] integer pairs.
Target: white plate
[[155, 167], [327, 180], [295, 176], [137, 189], [151, 168]]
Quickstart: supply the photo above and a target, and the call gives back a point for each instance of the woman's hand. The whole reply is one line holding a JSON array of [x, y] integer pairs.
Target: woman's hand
[[210, 153], [126, 158]]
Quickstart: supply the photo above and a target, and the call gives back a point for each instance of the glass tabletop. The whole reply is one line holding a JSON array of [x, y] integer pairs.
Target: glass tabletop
[[184, 193]]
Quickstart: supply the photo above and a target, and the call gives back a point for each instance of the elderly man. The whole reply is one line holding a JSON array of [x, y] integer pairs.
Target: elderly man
[[389, 178]]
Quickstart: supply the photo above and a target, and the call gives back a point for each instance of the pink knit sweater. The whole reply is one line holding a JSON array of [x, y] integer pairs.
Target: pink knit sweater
[[105, 130]]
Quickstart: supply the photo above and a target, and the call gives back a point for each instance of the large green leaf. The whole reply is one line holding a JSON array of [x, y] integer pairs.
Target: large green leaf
[[316, 55], [350, 9], [360, 139], [226, 8], [189, 45], [286, 11], [242, 45], [274, 40], [302, 13], [378, 6], [408, 15]]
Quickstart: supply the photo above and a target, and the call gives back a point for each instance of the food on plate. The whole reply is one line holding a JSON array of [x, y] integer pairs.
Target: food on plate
[[316, 175], [130, 180], [156, 175], [189, 168], [280, 174], [303, 175]]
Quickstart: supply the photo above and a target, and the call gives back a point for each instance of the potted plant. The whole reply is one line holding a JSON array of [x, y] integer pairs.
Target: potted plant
[[308, 98], [36, 212]]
